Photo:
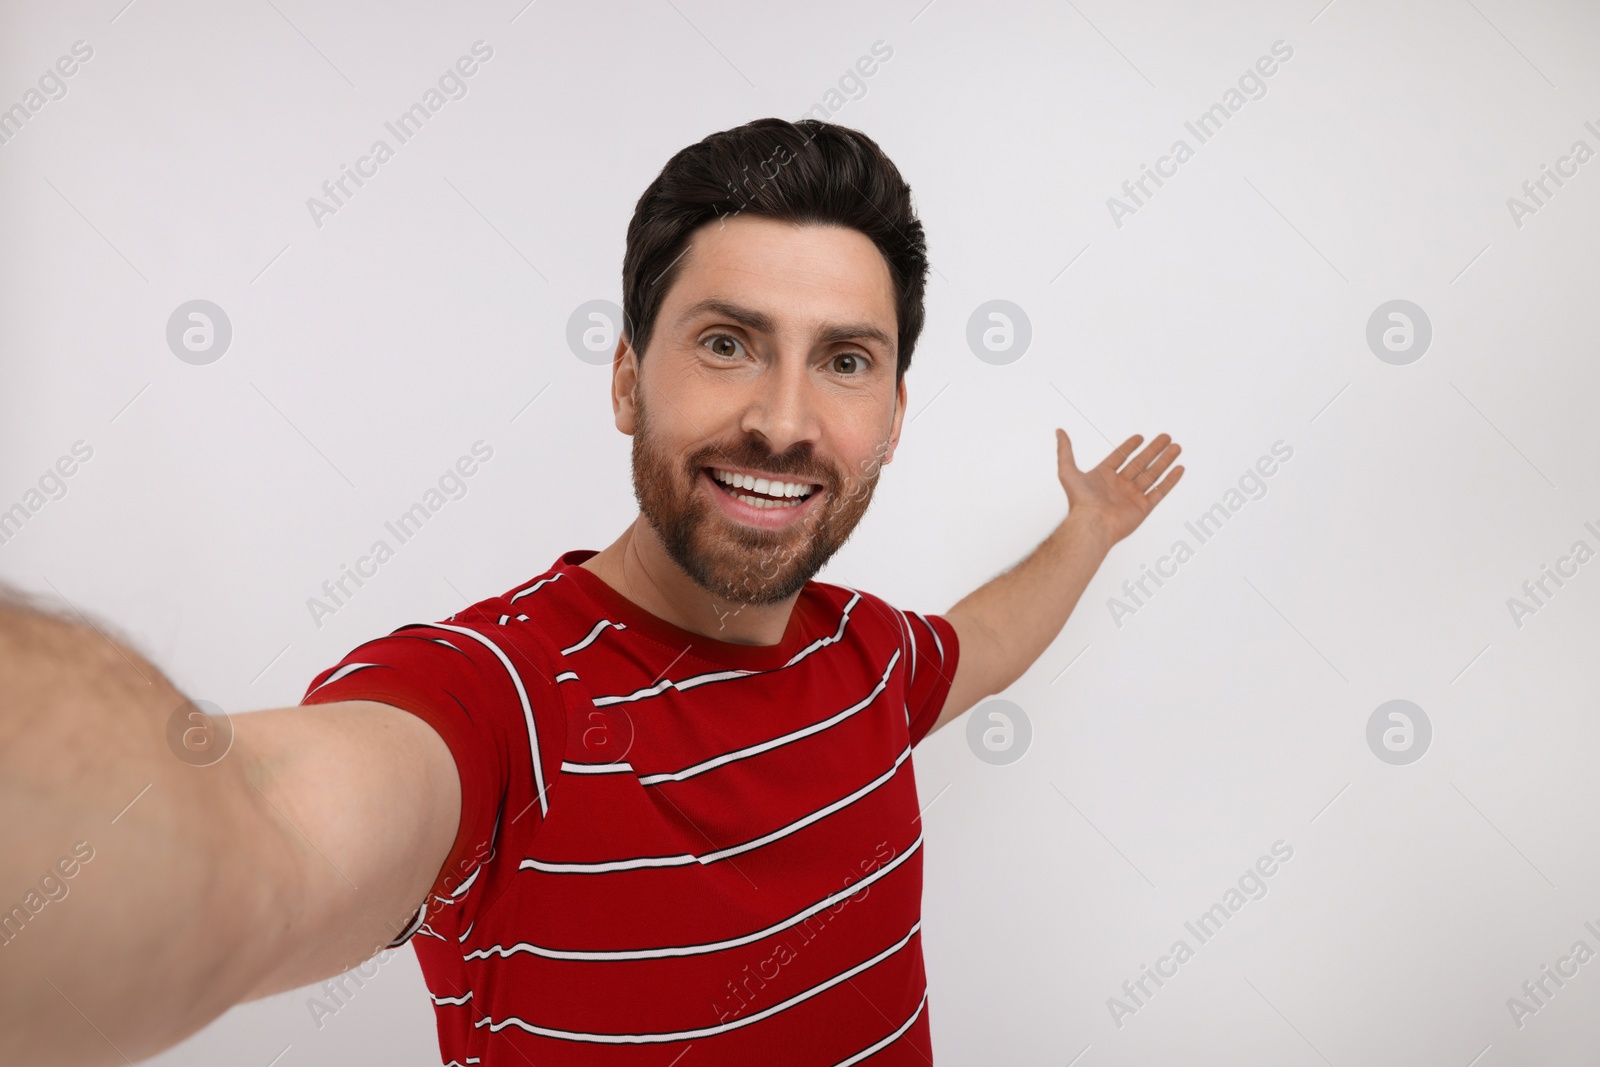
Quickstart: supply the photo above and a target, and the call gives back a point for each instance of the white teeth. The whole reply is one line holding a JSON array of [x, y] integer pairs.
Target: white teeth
[[770, 487], [758, 502]]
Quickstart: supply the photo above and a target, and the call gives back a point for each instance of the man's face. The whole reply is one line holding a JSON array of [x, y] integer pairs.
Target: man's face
[[773, 358]]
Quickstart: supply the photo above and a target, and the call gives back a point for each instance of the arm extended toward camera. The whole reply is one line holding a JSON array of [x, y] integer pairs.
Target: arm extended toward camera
[[141, 896]]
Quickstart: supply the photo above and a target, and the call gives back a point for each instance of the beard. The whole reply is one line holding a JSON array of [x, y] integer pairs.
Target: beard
[[727, 559]]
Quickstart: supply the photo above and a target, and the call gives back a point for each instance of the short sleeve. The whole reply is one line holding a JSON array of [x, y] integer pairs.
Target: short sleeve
[[932, 651], [488, 691]]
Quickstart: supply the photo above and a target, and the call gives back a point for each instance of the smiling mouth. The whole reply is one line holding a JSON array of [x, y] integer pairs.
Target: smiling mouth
[[761, 492]]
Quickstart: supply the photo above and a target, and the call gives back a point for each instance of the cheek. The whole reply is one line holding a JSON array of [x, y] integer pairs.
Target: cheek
[[689, 408], [856, 425], [668, 422], [868, 454]]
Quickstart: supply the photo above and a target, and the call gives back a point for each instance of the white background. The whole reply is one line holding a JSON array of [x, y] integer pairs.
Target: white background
[[1168, 752]]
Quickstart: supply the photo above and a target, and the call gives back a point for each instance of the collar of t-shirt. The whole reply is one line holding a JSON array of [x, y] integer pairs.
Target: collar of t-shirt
[[803, 621]]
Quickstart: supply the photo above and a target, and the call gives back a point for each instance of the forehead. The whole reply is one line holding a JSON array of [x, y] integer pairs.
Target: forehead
[[801, 274]]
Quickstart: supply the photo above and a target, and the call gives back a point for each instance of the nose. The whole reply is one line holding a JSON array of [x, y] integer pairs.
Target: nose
[[782, 411]]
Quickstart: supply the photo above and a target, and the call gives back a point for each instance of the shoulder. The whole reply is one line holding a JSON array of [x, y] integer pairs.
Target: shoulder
[[505, 616], [495, 645], [860, 614], [874, 620], [552, 594]]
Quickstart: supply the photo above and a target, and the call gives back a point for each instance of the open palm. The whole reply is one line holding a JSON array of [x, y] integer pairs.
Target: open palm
[[1118, 493]]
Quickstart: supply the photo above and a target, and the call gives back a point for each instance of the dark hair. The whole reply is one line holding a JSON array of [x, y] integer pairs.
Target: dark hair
[[803, 172]]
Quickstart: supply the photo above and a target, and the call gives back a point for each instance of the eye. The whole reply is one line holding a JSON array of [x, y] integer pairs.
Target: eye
[[724, 346], [849, 363]]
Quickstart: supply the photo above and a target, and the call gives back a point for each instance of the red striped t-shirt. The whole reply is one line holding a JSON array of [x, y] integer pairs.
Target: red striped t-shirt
[[668, 842]]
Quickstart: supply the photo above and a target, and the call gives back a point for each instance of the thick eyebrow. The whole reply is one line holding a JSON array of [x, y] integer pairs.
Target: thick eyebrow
[[855, 331], [761, 322]]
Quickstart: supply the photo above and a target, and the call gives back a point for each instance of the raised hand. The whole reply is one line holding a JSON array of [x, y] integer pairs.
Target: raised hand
[[1117, 494]]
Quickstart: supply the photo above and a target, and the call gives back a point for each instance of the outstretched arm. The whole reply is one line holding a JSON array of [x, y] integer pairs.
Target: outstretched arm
[[142, 896], [1005, 624]]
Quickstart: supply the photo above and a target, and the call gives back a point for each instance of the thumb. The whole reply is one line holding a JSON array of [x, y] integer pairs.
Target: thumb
[[1066, 466], [1064, 450]]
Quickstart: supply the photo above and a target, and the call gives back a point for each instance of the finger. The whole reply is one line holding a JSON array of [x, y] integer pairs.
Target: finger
[[1150, 474], [1155, 495], [1140, 463], [1064, 449], [1120, 454]]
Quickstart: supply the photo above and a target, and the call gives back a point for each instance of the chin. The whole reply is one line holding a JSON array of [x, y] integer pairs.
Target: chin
[[749, 574]]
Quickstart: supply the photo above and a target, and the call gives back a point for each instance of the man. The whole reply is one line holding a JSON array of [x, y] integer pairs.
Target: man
[[654, 802]]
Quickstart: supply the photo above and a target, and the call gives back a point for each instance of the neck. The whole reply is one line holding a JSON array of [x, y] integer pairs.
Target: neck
[[637, 566]]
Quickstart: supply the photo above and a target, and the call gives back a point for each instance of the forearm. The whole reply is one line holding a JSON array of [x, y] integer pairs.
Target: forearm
[[157, 929], [367, 858], [1013, 618]]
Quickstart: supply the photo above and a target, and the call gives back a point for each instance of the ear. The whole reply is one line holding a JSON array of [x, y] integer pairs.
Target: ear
[[624, 382], [899, 415]]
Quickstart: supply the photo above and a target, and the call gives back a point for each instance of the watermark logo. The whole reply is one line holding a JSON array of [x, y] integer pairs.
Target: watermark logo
[[451, 485], [747, 988], [1251, 485], [608, 734], [452, 85], [852, 83], [52, 887], [199, 733], [1579, 554], [198, 332], [999, 332], [337, 994], [1399, 732], [51, 486], [1137, 992], [52, 86], [593, 329], [1549, 181], [1252, 85], [1399, 332], [999, 732], [1537, 992]]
